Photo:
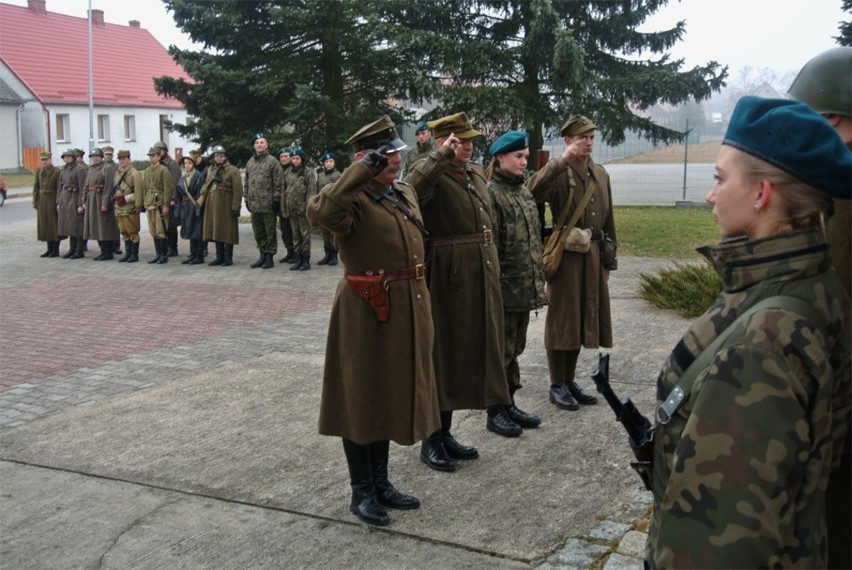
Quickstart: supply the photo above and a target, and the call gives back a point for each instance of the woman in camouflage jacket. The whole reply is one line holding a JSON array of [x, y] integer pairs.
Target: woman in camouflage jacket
[[741, 469]]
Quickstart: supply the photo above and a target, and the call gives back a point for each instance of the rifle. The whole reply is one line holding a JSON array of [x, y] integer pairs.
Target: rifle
[[639, 428]]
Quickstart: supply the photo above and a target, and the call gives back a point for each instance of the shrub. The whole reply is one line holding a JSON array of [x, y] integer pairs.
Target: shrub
[[688, 288]]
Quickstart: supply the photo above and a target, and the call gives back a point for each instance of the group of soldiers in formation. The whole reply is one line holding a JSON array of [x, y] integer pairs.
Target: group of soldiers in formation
[[196, 201]]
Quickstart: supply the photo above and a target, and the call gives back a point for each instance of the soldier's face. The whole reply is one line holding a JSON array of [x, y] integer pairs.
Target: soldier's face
[[464, 152], [284, 158], [189, 165], [391, 171], [154, 159], [328, 164], [124, 161], [45, 162], [583, 143], [96, 159], [514, 162], [260, 146], [296, 160], [423, 136], [69, 159], [219, 157], [108, 156], [733, 197]]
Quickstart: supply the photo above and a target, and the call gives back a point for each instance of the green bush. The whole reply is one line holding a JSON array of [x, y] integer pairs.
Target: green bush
[[688, 288]]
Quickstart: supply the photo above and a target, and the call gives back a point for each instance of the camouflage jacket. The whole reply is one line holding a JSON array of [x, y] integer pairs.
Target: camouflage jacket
[[299, 186], [416, 153], [519, 248], [325, 177], [264, 183], [741, 470]]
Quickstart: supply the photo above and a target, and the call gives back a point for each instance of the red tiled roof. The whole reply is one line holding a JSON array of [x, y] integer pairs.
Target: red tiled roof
[[49, 53]]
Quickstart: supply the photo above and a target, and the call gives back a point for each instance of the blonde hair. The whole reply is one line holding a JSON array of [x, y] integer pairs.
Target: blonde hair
[[803, 205], [489, 170]]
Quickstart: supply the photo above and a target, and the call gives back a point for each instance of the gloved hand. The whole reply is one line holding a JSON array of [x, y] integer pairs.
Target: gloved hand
[[376, 160]]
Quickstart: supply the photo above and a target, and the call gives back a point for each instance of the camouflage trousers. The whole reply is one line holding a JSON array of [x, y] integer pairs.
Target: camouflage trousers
[[328, 240], [515, 325], [301, 234], [286, 231], [263, 226], [129, 227]]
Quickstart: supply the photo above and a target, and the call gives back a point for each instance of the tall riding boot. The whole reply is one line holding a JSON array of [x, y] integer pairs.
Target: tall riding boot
[[454, 449], [270, 261], [297, 262], [106, 250], [158, 249], [220, 254], [570, 370], [72, 248], [306, 262], [116, 247], [171, 248], [326, 258], [128, 251], [192, 253], [134, 256], [54, 252], [49, 249], [289, 258], [100, 255], [229, 254], [557, 364], [520, 417], [80, 247], [333, 259], [385, 492], [364, 503], [199, 252]]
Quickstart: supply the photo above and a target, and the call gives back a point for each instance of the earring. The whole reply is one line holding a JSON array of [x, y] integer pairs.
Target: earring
[[757, 206]]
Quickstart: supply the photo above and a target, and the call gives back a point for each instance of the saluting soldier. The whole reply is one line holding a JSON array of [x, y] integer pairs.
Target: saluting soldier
[[283, 220], [45, 187], [157, 181], [378, 382], [129, 201], [328, 174], [464, 282], [72, 179], [222, 196], [264, 183], [99, 219], [300, 184]]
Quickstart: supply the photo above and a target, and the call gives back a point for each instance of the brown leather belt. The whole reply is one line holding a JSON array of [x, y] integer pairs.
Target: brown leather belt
[[373, 287], [416, 272], [485, 237]]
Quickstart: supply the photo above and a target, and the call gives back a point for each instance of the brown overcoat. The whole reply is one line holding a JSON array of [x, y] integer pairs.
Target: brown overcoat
[[223, 196], [97, 224], [72, 178], [464, 283], [379, 382], [579, 311], [45, 190]]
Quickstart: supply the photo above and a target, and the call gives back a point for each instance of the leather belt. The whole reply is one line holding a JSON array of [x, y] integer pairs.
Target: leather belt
[[416, 272], [597, 234], [485, 237]]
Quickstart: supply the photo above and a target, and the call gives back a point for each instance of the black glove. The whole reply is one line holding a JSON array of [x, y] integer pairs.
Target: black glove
[[376, 160]]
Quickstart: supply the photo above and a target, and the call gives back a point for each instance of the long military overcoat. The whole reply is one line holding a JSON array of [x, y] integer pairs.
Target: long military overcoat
[[223, 196], [379, 381], [464, 283], [45, 190], [72, 178], [97, 224], [579, 313]]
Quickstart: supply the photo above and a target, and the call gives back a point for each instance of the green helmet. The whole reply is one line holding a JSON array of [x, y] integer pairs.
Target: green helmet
[[825, 83]]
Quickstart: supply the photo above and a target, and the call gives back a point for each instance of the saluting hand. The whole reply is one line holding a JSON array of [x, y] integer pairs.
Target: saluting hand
[[572, 150], [452, 141]]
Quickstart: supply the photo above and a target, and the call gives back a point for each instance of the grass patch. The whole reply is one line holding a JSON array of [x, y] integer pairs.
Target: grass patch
[[18, 180], [689, 288], [664, 231]]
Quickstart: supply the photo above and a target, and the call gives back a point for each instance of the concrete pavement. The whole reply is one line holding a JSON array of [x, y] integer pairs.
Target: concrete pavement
[[164, 416]]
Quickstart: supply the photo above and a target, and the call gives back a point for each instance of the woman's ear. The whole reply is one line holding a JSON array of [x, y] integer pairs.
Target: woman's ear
[[763, 195]]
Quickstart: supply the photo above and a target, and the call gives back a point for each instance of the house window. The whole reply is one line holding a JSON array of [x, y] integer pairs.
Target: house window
[[103, 128], [63, 129], [129, 128]]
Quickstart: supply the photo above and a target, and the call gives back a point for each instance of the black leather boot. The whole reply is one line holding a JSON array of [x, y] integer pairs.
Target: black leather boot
[[269, 262], [453, 448], [433, 454], [562, 398], [157, 251], [100, 255], [229, 254], [171, 247], [193, 251], [79, 251], [164, 249], [385, 492], [365, 504], [333, 259], [297, 262], [289, 258], [116, 247], [106, 250], [128, 251], [49, 249], [306, 263], [134, 257], [54, 252], [72, 247], [325, 259], [199, 252], [260, 261], [581, 397], [521, 417], [220, 254], [500, 423]]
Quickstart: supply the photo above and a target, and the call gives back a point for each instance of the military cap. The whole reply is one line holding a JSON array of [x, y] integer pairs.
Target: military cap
[[96, 152], [107, 149], [793, 137], [160, 145], [380, 133], [825, 82], [153, 150], [297, 152], [194, 154], [458, 124], [79, 152], [329, 155], [577, 125], [44, 154], [421, 126], [510, 141], [284, 149], [68, 152], [124, 154], [256, 136], [217, 149], [188, 157]]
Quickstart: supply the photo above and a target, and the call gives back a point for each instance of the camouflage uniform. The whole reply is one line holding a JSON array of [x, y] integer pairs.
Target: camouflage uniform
[[421, 151], [518, 232], [741, 470], [325, 177], [264, 183], [301, 185]]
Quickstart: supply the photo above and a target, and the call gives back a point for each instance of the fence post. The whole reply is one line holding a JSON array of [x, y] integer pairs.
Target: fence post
[[685, 157]]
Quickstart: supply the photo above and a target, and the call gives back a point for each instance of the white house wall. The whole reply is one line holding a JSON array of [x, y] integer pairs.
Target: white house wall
[[8, 136]]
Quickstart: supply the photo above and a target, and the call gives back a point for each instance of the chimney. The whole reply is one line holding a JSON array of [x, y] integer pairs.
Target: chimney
[[37, 6], [134, 24], [98, 18]]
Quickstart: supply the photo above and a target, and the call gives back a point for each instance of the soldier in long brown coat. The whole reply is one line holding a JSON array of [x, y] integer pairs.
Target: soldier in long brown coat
[[72, 179], [99, 219], [579, 311], [45, 187], [464, 283], [223, 194], [379, 381]]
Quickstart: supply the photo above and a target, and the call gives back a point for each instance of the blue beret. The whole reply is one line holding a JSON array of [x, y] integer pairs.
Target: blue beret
[[328, 155], [794, 138], [297, 152], [421, 126], [510, 141], [258, 136], [283, 150]]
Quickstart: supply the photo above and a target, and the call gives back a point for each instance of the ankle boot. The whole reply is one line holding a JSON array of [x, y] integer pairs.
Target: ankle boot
[[49, 250], [72, 247], [433, 454], [365, 504], [269, 262], [386, 493], [289, 258], [260, 261], [451, 445], [54, 251], [581, 397], [297, 262], [134, 256], [229, 254], [306, 263], [521, 417], [199, 252], [326, 258], [333, 259], [220, 254], [562, 398], [500, 423], [158, 250], [128, 251], [557, 365]]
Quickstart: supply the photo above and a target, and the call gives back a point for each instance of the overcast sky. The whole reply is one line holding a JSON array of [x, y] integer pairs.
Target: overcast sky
[[777, 34]]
